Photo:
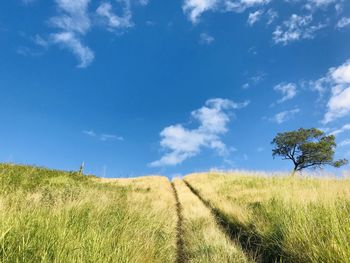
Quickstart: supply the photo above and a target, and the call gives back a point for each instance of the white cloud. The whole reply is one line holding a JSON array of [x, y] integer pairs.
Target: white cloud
[[182, 143], [252, 51], [345, 128], [337, 83], [41, 45], [143, 2], [254, 17], [254, 79], [110, 137], [341, 74], [320, 85], [150, 23], [195, 8], [258, 77], [295, 28], [322, 2], [312, 4], [288, 91], [90, 133], [272, 15], [113, 21], [73, 16], [206, 39], [26, 51], [245, 86], [303, 24], [72, 42], [284, 116], [343, 22], [338, 105], [74, 22], [339, 8], [103, 136], [40, 41], [260, 149], [344, 143], [241, 5]]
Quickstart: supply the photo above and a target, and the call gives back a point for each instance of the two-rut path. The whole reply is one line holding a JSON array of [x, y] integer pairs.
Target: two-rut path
[[200, 236]]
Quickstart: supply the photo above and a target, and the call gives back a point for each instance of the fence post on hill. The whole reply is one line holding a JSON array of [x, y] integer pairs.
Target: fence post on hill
[[81, 169]]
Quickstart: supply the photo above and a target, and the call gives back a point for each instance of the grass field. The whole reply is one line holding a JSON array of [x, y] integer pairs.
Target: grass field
[[51, 216], [282, 218], [55, 216]]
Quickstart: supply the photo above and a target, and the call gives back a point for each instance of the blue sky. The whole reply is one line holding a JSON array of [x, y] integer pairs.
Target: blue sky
[[136, 87]]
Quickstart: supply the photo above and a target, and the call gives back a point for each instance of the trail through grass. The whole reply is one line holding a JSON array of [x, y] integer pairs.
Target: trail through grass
[[203, 239], [54, 216], [180, 251]]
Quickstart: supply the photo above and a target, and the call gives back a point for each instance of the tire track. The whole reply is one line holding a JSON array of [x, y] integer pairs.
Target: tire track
[[180, 251], [232, 232]]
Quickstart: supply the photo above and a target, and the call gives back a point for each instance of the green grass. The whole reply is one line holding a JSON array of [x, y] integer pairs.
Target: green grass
[[282, 218], [53, 216]]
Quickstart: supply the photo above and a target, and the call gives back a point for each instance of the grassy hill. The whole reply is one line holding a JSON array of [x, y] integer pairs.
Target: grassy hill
[[281, 218], [55, 216]]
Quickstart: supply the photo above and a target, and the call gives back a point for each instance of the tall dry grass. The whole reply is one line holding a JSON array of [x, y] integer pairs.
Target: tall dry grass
[[301, 219], [53, 216]]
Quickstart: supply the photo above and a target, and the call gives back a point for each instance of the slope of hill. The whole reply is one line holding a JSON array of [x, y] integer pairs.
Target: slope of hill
[[55, 216], [281, 218]]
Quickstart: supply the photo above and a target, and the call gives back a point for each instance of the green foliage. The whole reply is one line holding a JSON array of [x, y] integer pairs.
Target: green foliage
[[306, 148], [30, 178]]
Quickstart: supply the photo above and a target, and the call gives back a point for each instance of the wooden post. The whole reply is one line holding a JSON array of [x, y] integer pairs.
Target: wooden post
[[81, 169]]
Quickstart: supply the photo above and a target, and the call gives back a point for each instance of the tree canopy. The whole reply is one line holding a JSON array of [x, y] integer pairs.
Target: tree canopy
[[306, 148]]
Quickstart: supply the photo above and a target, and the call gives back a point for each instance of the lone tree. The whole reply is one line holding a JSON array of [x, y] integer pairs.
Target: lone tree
[[306, 148]]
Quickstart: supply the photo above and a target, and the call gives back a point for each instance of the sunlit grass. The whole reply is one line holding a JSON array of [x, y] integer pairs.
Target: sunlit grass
[[53, 216], [300, 219], [203, 240]]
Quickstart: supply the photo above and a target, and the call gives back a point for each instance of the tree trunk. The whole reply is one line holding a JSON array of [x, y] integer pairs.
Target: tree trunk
[[294, 170]]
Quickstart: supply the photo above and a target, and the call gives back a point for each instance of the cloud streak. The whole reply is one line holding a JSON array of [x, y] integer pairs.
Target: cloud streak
[[345, 128], [295, 28], [343, 22], [284, 116], [73, 43], [254, 17], [206, 39], [195, 8], [103, 136]]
